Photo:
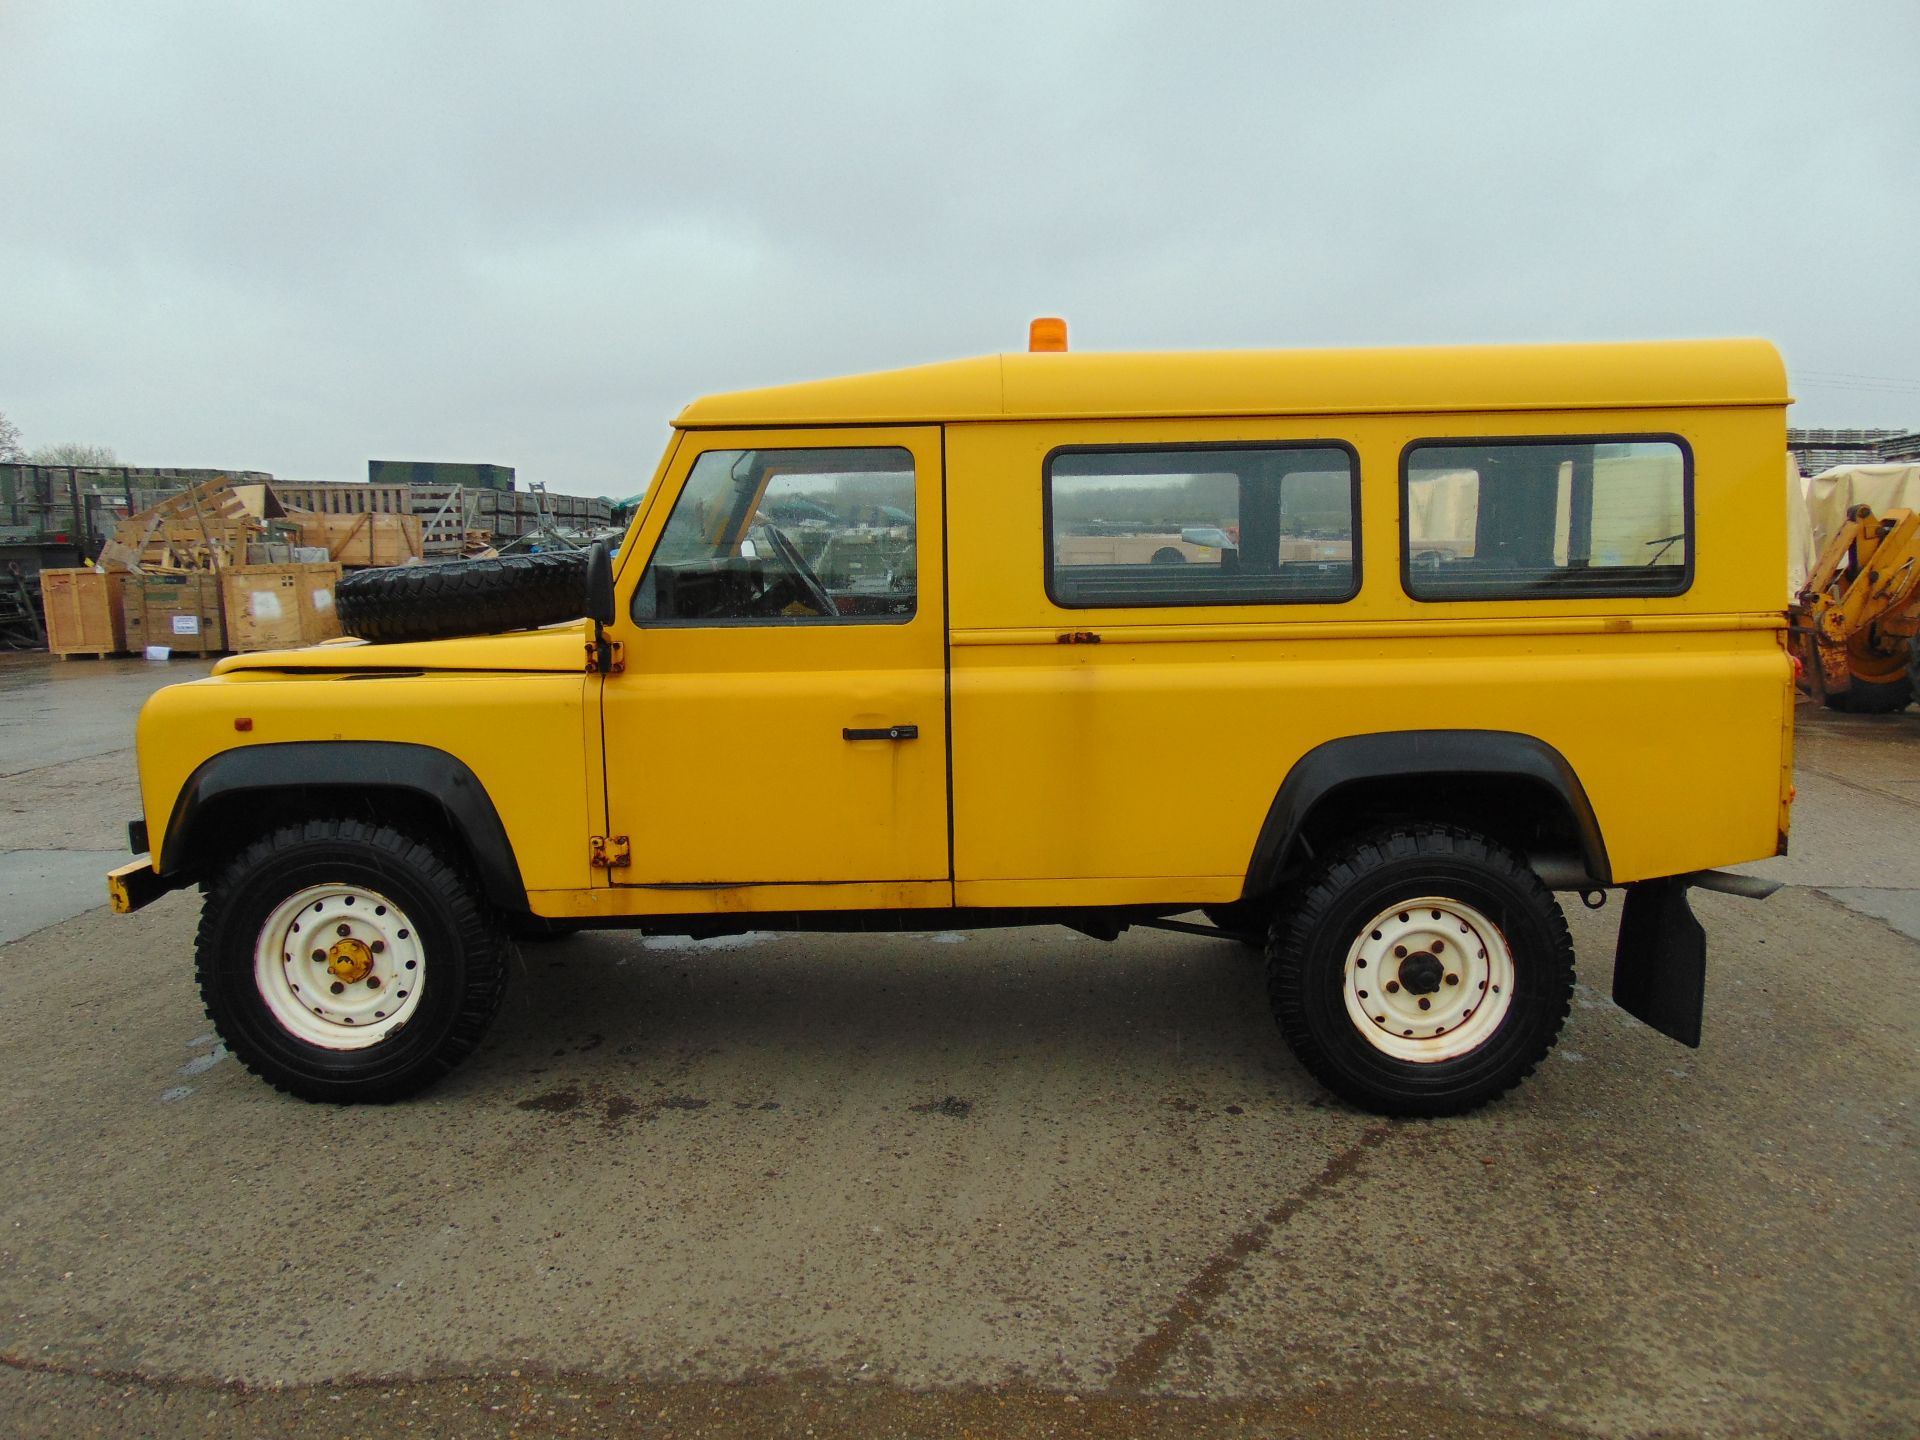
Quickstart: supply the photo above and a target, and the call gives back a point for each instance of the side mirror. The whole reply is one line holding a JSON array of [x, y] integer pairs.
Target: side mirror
[[600, 583]]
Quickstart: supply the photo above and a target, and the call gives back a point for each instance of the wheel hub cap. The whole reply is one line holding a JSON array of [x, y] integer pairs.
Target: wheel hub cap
[[1429, 979], [1421, 974], [340, 966], [349, 960]]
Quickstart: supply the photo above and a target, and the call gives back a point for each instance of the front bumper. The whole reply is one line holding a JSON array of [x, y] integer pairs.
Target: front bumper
[[135, 886]]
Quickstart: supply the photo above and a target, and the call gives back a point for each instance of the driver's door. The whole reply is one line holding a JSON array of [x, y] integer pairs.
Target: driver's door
[[781, 717]]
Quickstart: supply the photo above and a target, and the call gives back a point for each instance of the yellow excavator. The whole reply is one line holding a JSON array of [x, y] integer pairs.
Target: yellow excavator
[[1853, 623]]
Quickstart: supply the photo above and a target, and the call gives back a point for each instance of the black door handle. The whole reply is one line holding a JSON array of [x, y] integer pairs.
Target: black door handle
[[886, 732]]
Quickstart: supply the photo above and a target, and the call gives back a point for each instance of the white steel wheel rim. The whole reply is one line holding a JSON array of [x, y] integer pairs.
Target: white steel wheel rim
[[1393, 961], [339, 966]]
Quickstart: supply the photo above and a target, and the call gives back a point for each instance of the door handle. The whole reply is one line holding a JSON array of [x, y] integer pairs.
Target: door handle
[[885, 732]]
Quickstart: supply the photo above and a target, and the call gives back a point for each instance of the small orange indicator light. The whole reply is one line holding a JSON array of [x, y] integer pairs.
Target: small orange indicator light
[[1049, 332], [243, 722]]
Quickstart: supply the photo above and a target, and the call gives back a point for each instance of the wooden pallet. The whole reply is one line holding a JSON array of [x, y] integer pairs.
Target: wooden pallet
[[206, 528]]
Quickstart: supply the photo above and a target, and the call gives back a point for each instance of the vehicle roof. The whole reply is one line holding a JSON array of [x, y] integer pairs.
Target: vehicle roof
[[1103, 385]]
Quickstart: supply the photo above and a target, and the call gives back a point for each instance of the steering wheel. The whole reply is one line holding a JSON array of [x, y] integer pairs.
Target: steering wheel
[[803, 572]]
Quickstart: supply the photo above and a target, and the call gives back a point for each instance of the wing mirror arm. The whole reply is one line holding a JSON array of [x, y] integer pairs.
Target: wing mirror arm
[[600, 602]]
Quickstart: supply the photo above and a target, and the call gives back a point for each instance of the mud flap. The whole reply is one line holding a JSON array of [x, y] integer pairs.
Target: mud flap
[[1660, 963]]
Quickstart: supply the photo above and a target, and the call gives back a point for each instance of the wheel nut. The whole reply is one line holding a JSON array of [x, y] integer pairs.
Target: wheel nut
[[1453, 979], [343, 929], [1393, 987], [319, 957], [336, 987], [1425, 1004], [378, 947], [373, 982], [1399, 952], [1439, 945]]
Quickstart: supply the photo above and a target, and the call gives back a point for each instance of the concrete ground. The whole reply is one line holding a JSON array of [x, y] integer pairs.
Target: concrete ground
[[1020, 1183]]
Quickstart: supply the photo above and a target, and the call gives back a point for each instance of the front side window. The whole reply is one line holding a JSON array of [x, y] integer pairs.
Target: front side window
[[778, 537], [1573, 518], [1201, 525]]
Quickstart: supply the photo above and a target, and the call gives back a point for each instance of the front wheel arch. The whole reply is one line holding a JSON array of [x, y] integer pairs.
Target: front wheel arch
[[232, 797]]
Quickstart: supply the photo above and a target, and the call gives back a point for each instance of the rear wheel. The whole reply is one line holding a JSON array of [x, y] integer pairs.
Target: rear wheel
[[346, 961], [1424, 971]]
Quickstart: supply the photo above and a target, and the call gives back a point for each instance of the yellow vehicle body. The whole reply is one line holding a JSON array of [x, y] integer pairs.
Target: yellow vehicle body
[[1023, 719], [1134, 770]]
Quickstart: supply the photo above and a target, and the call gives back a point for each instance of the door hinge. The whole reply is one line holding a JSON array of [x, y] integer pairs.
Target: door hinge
[[609, 852], [604, 658]]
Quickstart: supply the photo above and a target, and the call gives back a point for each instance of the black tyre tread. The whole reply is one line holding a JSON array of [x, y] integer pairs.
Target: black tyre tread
[[1868, 697], [1295, 925], [463, 597], [486, 950]]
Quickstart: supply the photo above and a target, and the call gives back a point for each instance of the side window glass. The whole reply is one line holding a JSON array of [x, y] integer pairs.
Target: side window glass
[[1201, 525], [784, 537], [1547, 518]]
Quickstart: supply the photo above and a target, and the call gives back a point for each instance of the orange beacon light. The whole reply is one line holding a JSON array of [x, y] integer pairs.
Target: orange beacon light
[[1049, 332]]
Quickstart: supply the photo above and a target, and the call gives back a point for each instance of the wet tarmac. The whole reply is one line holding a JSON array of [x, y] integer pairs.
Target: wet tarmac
[[1012, 1183]]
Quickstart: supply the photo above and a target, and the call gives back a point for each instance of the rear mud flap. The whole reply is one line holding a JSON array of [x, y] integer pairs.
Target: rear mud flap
[[1660, 962]]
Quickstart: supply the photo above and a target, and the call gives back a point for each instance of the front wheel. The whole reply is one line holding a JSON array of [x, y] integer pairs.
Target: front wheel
[[1424, 971], [347, 961]]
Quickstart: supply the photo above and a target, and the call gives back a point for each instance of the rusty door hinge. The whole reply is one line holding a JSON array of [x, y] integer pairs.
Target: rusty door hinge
[[609, 852], [611, 662]]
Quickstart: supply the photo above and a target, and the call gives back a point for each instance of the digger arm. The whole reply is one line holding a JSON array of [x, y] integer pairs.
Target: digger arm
[[1867, 576]]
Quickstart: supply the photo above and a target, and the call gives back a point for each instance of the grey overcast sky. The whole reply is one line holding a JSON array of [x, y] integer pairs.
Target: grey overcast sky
[[291, 237]]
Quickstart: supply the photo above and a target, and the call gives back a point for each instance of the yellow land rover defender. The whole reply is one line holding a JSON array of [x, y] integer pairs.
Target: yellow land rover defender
[[1414, 639]]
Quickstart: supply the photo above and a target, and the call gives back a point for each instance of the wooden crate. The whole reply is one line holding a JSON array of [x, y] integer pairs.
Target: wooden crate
[[345, 497], [182, 612], [280, 607], [84, 614], [369, 538]]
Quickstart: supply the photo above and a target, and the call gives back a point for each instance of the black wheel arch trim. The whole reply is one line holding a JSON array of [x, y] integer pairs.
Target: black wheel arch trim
[[442, 779], [1408, 754]]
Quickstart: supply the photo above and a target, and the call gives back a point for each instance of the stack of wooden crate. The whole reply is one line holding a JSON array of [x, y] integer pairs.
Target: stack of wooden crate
[[176, 577]]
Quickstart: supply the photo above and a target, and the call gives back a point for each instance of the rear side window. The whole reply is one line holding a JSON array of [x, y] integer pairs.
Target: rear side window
[[1552, 518], [1201, 525]]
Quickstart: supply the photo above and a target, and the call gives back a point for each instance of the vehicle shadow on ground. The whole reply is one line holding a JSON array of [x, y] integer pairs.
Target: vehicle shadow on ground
[[1181, 1005]]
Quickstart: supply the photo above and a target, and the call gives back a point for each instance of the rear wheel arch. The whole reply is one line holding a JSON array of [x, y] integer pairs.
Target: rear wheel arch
[[1514, 788], [237, 795]]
